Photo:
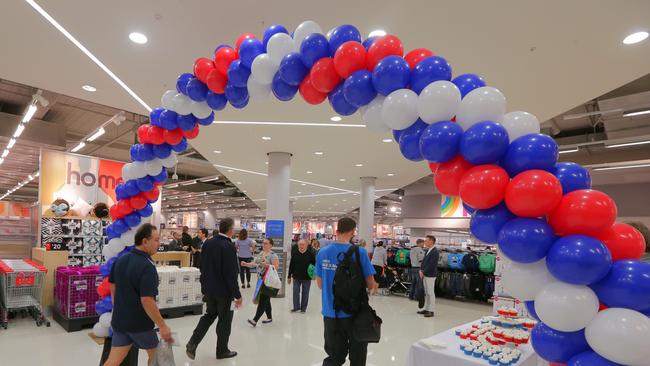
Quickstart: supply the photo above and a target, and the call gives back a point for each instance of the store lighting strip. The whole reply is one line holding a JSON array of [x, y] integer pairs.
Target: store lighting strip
[[638, 113], [623, 167], [83, 49], [569, 151], [117, 119], [18, 186], [628, 144], [288, 124]]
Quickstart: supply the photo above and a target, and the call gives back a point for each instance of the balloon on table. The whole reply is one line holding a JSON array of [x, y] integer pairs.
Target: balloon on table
[[440, 142], [525, 280], [555, 346], [481, 104], [409, 141], [468, 82], [449, 174], [584, 211], [532, 151], [388, 45], [526, 240], [623, 241], [417, 55], [486, 224], [390, 74], [579, 259], [484, 143], [428, 70], [533, 193], [484, 186], [520, 123], [372, 115], [572, 176], [438, 101], [627, 285], [400, 109], [566, 307], [620, 335], [590, 358]]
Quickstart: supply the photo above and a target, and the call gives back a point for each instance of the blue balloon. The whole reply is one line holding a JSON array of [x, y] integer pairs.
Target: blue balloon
[[134, 152], [390, 74], [627, 285], [526, 240], [110, 233], [181, 82], [207, 120], [468, 82], [146, 152], [369, 41], [154, 116], [120, 226], [168, 119], [249, 49], [238, 74], [132, 219], [409, 141], [105, 269], [180, 147], [162, 151], [484, 143], [241, 104], [397, 134], [196, 90], [282, 90], [338, 102], [186, 122], [358, 89], [532, 151], [145, 184], [162, 177], [530, 306], [469, 209], [131, 188], [486, 224], [313, 48], [271, 31], [236, 95], [104, 305], [292, 70], [440, 141], [555, 346], [590, 358], [430, 69], [120, 192], [572, 176], [146, 211], [342, 34], [216, 101], [579, 260]]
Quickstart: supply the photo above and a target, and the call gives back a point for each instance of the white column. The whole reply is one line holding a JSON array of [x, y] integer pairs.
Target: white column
[[367, 208], [277, 190]]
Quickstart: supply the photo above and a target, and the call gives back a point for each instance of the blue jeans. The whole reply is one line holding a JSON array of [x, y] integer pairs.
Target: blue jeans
[[414, 277], [300, 301]]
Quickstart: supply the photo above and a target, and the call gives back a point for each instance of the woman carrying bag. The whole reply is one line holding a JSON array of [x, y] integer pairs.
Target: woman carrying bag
[[263, 261]]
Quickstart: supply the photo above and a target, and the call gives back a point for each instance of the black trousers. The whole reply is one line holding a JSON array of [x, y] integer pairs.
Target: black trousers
[[217, 307], [263, 306], [245, 271], [414, 277], [379, 270], [339, 342]]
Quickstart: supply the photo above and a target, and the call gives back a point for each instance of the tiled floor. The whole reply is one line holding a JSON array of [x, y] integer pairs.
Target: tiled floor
[[292, 339]]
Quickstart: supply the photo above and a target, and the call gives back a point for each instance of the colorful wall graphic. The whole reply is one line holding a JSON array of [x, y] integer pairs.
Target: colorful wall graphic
[[452, 206]]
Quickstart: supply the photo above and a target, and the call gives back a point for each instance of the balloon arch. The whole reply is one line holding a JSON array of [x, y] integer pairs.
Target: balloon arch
[[577, 269]]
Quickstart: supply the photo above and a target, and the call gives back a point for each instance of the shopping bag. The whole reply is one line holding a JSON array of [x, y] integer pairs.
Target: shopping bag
[[269, 291], [258, 288], [272, 279], [311, 271], [164, 355], [367, 325]]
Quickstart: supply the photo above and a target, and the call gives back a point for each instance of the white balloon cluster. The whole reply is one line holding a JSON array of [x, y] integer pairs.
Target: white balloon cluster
[[183, 105], [102, 327], [140, 169], [620, 335]]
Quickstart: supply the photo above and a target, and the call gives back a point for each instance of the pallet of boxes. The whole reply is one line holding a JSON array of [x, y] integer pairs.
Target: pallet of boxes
[[179, 291]]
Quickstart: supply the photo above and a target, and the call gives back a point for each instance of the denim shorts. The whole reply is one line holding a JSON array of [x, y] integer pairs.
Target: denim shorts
[[142, 340]]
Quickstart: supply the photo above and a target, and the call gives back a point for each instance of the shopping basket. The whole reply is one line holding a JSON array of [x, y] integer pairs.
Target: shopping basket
[[21, 287]]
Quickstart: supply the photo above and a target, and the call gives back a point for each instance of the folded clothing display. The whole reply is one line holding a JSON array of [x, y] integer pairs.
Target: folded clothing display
[[178, 287]]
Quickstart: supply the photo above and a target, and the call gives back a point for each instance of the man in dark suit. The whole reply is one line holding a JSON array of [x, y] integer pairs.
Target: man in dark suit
[[428, 274], [219, 270]]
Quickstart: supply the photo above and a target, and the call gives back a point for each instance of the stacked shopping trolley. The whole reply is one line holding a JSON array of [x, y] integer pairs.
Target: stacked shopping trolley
[[21, 286]]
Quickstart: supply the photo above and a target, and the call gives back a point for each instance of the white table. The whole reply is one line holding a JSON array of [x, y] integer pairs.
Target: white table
[[453, 356]]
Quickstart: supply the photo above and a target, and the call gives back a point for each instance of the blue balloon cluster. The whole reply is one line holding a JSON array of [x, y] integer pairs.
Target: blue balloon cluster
[[358, 88], [484, 143], [104, 305], [440, 142], [430, 69]]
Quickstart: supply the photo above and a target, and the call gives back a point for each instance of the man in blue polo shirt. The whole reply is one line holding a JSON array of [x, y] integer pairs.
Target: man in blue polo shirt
[[338, 325], [134, 287]]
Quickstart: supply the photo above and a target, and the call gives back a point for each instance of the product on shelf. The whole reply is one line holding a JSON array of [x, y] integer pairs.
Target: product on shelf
[[75, 291], [82, 238], [178, 287]]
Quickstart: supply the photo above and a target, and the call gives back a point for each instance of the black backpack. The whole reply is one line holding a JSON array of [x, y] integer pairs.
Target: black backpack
[[349, 286]]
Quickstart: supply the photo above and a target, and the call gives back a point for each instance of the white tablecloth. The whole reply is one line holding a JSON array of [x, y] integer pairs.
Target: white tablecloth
[[453, 356]]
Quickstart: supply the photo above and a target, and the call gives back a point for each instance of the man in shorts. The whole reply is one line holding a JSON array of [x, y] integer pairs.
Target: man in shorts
[[134, 287]]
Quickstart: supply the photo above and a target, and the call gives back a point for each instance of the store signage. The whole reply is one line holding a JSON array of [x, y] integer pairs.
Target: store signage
[[452, 206]]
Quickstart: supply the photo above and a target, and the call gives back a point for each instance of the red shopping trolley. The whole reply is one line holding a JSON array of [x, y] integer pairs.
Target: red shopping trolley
[[21, 287]]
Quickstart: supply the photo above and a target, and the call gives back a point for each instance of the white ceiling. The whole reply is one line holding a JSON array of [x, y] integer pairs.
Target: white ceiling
[[547, 57]]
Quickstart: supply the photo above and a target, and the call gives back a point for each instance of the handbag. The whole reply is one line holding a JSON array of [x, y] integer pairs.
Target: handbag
[[366, 325]]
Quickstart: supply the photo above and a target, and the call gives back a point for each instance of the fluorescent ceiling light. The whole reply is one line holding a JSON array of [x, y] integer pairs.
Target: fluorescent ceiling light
[[377, 33], [393, 209], [83, 49], [31, 110], [2, 160], [628, 144], [89, 88], [96, 135], [4, 153], [137, 37], [189, 183], [342, 180], [238, 183], [387, 140], [318, 153], [336, 119], [79, 147], [266, 138], [635, 37], [390, 174], [11, 143], [358, 165], [19, 130], [210, 179], [309, 172], [37, 174], [638, 113], [624, 167], [287, 124], [217, 151], [569, 151], [303, 184]]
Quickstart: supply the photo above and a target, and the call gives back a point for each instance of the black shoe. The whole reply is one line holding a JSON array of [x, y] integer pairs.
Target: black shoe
[[229, 354], [267, 321], [295, 310], [429, 314], [248, 285], [190, 351], [422, 312], [253, 323], [303, 311], [242, 286]]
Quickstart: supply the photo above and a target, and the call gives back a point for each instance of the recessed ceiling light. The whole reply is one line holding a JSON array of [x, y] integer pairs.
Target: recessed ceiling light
[[299, 193], [89, 88], [266, 163], [318, 153], [390, 174], [230, 170], [387, 140], [336, 119], [635, 37], [137, 37], [303, 184], [309, 172], [345, 200], [217, 151], [377, 33], [342, 180], [244, 191], [238, 182], [358, 165], [266, 138]]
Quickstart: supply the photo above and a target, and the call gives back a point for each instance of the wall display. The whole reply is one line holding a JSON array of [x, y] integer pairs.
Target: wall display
[[452, 206], [82, 239]]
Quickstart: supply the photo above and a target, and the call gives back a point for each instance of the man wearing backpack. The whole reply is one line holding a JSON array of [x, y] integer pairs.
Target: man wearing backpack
[[357, 277]]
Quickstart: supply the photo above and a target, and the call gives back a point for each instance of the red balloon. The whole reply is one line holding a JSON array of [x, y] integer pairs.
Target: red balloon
[[449, 175], [104, 289], [124, 207], [202, 67], [143, 134], [623, 241], [585, 211], [216, 81], [417, 55], [433, 167], [115, 212], [350, 57], [557, 364], [138, 202], [533, 193], [173, 137], [156, 135], [152, 194], [242, 38], [602, 307], [484, 186], [191, 134], [388, 45], [323, 75], [223, 57], [309, 93]]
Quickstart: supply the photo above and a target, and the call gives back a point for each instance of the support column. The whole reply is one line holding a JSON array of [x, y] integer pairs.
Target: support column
[[279, 208], [367, 209]]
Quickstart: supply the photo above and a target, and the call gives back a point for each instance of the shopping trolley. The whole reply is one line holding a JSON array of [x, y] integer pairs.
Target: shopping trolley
[[21, 286]]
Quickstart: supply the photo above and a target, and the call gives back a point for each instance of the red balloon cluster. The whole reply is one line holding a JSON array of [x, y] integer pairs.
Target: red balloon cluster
[[138, 202], [115, 212], [449, 175], [533, 193], [223, 57], [216, 81], [151, 195], [388, 45], [433, 167], [104, 289], [623, 241], [324, 77], [124, 207], [191, 134], [484, 186], [202, 68], [584, 211], [309, 93], [350, 57], [173, 137], [156, 135], [417, 55], [143, 134]]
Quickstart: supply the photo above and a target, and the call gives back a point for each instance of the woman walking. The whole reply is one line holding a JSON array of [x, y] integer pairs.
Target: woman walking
[[245, 249], [265, 259]]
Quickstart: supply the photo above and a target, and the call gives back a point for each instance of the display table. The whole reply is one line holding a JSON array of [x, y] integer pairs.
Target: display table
[[166, 257], [420, 355], [50, 259]]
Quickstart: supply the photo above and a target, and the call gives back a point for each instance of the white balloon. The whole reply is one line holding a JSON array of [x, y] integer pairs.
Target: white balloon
[[105, 319], [371, 115], [166, 101], [620, 335], [263, 70], [525, 281], [153, 167], [566, 307], [257, 90], [138, 170], [400, 109], [200, 110], [182, 104], [280, 45], [116, 244], [107, 252], [329, 33], [126, 172], [170, 161], [439, 101], [100, 330], [520, 123], [481, 104], [303, 30]]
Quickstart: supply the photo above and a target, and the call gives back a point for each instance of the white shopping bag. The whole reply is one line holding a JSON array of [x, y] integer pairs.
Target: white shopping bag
[[164, 355], [272, 279]]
